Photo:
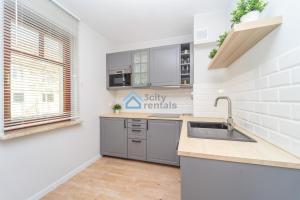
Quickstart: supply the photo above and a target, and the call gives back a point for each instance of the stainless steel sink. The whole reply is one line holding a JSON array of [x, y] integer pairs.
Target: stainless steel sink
[[159, 115], [215, 131]]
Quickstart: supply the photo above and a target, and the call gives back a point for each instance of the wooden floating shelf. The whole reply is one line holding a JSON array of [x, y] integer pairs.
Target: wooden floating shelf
[[241, 38]]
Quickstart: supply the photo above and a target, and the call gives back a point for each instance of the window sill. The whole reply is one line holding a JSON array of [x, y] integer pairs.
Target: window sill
[[37, 129]]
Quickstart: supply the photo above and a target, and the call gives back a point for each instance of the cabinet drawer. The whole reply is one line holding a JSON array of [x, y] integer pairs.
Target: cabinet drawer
[[137, 121], [137, 125], [137, 133], [137, 149]]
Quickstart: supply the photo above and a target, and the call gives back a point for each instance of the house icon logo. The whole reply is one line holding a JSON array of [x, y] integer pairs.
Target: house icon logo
[[133, 101]]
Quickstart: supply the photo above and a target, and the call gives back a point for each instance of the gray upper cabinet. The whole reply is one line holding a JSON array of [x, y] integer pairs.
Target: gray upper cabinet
[[140, 68], [113, 137], [165, 65], [162, 141], [117, 61]]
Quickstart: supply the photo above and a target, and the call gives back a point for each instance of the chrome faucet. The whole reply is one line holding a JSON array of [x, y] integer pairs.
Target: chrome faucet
[[229, 119]]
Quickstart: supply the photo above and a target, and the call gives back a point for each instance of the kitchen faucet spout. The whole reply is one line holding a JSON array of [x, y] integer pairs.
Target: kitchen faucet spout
[[229, 119]]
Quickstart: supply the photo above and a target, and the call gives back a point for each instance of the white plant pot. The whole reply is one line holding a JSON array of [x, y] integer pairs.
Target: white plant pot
[[250, 16], [117, 111]]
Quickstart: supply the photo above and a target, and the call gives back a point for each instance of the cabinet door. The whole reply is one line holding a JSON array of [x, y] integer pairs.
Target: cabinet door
[[162, 141], [164, 65], [113, 137], [120, 60], [140, 68]]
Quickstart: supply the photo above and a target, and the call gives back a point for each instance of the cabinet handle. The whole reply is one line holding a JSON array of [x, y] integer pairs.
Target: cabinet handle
[[147, 125], [136, 125], [136, 141], [177, 146], [125, 123]]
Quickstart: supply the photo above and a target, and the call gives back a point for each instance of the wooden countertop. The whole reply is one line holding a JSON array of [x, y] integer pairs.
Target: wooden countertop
[[260, 152], [138, 116]]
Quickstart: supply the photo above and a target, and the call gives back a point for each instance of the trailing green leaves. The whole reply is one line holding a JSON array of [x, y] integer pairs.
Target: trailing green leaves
[[213, 53]]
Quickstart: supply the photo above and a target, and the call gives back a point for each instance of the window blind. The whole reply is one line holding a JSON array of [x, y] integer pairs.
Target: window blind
[[40, 73]]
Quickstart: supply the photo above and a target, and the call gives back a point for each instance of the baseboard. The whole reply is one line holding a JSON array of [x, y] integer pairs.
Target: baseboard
[[63, 179]]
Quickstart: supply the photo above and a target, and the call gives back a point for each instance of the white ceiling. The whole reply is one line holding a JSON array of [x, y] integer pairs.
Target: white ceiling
[[130, 21]]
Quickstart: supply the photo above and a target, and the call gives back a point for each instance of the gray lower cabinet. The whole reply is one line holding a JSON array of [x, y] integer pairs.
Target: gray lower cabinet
[[113, 137], [165, 65], [213, 180], [139, 139], [137, 149], [162, 141]]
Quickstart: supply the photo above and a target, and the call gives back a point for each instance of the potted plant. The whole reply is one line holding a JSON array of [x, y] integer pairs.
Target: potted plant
[[117, 108], [248, 10]]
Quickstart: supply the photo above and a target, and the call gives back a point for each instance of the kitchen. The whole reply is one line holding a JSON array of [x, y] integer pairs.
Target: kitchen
[[150, 100]]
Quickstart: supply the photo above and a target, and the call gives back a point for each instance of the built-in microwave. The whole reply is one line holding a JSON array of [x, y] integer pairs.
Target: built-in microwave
[[119, 78]]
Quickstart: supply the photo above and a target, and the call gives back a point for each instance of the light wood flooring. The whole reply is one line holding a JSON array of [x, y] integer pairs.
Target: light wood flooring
[[118, 179]]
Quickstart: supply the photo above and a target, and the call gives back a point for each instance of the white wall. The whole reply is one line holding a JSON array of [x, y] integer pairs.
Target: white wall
[[264, 83], [30, 164], [212, 23]]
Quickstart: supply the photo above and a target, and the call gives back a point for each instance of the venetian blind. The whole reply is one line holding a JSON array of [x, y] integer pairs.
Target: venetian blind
[[40, 74]]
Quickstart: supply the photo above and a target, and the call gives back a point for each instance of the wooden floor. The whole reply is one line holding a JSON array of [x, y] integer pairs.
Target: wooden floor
[[117, 179]]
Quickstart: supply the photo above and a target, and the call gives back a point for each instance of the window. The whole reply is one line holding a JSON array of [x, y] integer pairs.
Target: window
[[48, 98], [37, 65], [18, 97]]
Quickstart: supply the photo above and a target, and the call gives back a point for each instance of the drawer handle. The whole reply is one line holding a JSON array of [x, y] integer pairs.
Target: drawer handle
[[136, 141], [136, 125], [136, 120], [136, 130]]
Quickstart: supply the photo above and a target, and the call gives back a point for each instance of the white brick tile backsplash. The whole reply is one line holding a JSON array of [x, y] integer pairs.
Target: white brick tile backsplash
[[265, 99], [182, 97], [261, 83], [252, 96], [290, 128], [269, 95], [270, 122], [295, 147], [254, 118], [290, 59], [246, 106], [280, 139], [269, 67], [248, 126], [261, 132], [261, 108], [281, 78], [241, 114], [289, 94], [280, 110], [296, 112], [296, 75]]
